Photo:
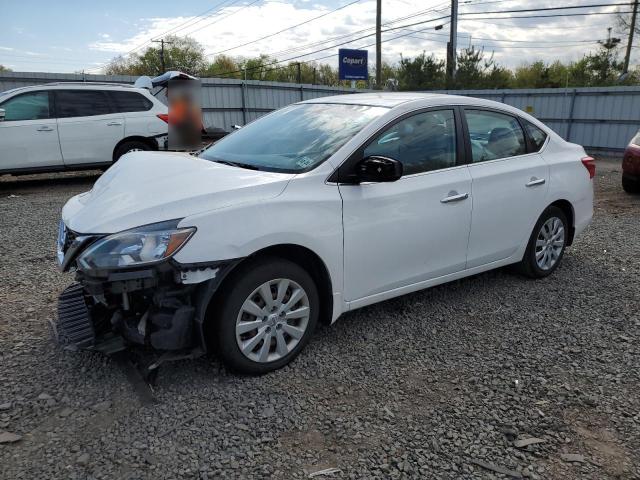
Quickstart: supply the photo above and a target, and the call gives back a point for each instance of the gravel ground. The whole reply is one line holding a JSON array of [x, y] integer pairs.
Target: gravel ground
[[443, 383]]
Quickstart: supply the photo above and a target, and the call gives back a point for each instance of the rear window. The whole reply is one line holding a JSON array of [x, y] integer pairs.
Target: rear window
[[130, 102], [537, 136], [81, 103], [636, 140]]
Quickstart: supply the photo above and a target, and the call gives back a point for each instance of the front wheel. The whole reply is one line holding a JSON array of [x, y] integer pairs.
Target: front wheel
[[630, 185], [546, 245], [268, 314]]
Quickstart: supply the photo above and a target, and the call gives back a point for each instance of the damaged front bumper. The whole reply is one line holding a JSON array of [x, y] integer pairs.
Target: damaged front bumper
[[162, 307]]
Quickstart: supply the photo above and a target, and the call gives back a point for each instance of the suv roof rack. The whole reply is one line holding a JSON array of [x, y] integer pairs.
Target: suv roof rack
[[109, 84]]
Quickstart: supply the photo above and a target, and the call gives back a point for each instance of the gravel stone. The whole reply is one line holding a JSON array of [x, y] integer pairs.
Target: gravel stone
[[422, 386]]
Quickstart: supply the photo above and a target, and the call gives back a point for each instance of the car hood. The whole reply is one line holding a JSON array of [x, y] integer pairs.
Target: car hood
[[148, 187]]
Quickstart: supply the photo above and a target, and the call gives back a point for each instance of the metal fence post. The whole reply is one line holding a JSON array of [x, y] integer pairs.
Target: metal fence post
[[244, 103], [301, 93], [570, 119]]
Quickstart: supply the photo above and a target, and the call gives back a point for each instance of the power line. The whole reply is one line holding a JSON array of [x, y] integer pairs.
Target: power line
[[173, 30], [226, 16], [545, 16], [593, 5], [340, 37], [283, 30]]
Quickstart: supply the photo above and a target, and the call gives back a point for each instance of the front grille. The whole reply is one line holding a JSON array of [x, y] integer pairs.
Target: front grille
[[70, 237], [74, 327]]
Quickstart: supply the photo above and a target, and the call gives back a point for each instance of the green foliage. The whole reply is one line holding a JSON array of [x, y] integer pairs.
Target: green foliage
[[4, 69], [475, 69], [180, 53]]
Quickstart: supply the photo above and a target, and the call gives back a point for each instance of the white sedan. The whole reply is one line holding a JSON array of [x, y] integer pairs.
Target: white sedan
[[319, 208]]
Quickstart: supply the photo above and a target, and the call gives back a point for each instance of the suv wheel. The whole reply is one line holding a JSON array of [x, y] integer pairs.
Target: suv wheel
[[546, 245], [132, 146], [269, 312]]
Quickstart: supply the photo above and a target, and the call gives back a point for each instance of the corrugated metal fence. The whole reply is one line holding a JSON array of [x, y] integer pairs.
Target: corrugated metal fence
[[598, 118]]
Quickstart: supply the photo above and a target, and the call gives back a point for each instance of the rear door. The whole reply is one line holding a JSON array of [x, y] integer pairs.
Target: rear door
[[88, 126], [509, 185], [29, 134]]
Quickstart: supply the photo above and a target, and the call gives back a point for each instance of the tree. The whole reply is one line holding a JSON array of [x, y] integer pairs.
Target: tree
[[222, 66], [421, 73], [4, 69], [180, 53]]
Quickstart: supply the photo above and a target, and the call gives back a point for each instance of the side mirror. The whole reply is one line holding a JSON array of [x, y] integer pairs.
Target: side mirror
[[2, 114], [378, 169]]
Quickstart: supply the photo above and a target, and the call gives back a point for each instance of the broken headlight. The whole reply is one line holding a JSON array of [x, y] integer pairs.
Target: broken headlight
[[139, 246]]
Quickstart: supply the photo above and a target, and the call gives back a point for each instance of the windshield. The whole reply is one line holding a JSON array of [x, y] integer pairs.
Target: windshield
[[295, 139]]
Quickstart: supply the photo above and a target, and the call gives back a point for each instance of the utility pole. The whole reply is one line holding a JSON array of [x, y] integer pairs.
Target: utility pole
[[452, 46], [162, 41], [299, 73], [379, 44], [631, 32]]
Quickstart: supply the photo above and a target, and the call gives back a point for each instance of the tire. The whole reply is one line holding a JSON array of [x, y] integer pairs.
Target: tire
[[233, 319], [131, 146], [536, 263], [629, 185]]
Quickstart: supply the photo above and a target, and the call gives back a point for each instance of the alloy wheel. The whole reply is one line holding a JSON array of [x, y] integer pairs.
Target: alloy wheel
[[272, 320], [550, 243]]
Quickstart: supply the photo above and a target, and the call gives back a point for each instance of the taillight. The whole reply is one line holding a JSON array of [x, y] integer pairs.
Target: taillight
[[164, 117], [590, 164]]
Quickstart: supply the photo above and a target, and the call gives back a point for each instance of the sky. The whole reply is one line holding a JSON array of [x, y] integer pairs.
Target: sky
[[70, 35]]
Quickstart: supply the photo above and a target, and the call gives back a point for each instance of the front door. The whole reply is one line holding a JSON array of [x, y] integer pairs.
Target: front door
[[416, 228], [89, 127], [29, 134]]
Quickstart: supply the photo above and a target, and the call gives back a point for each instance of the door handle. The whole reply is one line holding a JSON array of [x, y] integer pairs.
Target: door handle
[[454, 196], [44, 128], [114, 124], [535, 181]]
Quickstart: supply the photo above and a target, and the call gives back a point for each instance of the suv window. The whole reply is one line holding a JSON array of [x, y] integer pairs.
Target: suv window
[[422, 142], [536, 135], [494, 135], [130, 102], [81, 103], [28, 106]]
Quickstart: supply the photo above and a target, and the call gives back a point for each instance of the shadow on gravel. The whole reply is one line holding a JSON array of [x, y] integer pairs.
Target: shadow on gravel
[[10, 183]]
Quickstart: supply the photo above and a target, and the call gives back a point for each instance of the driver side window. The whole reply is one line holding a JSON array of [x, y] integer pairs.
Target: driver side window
[[27, 106], [422, 142]]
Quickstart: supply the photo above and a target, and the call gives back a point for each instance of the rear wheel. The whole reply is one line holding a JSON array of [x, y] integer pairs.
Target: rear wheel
[[131, 146], [546, 245], [268, 314], [629, 185]]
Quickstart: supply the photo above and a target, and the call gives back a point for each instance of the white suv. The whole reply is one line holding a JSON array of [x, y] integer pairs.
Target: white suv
[[319, 208], [67, 126]]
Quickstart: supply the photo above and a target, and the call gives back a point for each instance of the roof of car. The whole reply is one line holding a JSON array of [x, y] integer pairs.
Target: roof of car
[[393, 99], [92, 85]]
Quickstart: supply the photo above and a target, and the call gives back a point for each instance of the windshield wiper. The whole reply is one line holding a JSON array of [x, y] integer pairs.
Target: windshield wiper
[[237, 164]]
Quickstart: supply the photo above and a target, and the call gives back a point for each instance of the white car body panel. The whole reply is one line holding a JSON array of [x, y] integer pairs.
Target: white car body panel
[[29, 144], [500, 186], [387, 225], [368, 236], [90, 139]]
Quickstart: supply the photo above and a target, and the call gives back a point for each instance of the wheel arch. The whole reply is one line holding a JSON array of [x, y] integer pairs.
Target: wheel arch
[[298, 254], [567, 209], [153, 144]]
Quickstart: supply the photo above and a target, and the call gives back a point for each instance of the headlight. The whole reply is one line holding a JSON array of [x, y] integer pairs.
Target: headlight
[[140, 246]]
